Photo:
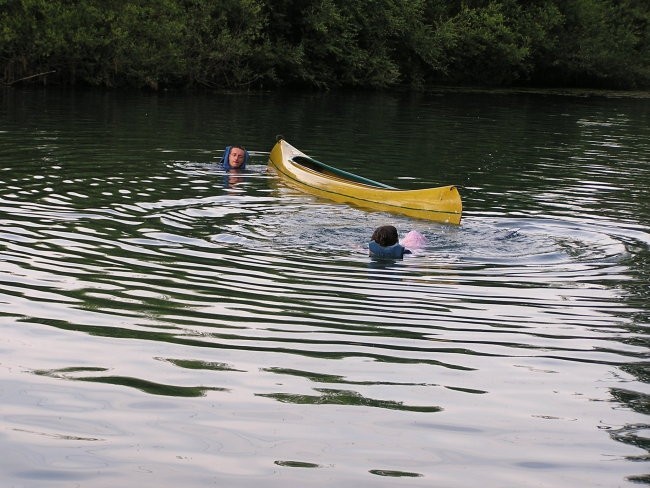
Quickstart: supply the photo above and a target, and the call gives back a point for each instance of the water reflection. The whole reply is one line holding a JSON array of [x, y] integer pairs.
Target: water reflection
[[133, 268], [346, 397], [146, 386]]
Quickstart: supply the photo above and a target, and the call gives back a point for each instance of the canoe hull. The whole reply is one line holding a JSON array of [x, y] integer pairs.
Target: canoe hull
[[441, 204]]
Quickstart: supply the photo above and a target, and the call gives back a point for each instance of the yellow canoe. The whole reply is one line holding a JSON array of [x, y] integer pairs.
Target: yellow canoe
[[441, 204]]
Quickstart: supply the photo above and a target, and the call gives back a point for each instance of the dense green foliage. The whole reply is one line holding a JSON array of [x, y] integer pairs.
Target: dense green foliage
[[326, 43]]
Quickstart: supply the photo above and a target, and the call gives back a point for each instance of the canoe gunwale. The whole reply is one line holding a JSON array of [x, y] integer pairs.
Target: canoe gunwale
[[331, 171], [440, 204]]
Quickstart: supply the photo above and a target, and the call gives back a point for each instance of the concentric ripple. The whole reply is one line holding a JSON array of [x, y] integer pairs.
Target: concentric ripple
[[226, 327]]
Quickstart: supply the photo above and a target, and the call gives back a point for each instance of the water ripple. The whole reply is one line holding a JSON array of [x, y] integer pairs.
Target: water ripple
[[146, 301]]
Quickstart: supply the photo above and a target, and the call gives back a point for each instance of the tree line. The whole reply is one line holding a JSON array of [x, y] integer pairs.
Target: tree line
[[237, 44]]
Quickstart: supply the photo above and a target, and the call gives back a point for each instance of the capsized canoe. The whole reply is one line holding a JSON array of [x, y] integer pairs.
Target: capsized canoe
[[441, 204]]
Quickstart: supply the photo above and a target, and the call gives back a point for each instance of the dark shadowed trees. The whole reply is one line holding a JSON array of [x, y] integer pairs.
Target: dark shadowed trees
[[325, 43]]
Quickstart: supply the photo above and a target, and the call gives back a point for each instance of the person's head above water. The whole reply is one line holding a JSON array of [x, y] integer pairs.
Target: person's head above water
[[385, 244], [234, 157], [385, 236], [237, 157]]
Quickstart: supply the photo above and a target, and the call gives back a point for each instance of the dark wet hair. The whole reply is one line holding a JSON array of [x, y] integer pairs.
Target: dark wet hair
[[386, 235]]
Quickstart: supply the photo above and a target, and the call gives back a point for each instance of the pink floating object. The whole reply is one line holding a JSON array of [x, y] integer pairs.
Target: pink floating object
[[414, 240]]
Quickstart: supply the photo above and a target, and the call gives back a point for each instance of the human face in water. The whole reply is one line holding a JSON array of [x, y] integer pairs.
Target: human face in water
[[236, 157]]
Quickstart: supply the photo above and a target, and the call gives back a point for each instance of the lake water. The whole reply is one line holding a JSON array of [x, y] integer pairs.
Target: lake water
[[166, 325]]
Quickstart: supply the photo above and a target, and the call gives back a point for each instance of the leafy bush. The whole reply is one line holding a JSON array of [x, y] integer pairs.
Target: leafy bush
[[325, 43]]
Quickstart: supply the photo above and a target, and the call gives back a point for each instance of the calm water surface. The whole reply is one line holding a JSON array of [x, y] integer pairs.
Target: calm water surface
[[165, 324]]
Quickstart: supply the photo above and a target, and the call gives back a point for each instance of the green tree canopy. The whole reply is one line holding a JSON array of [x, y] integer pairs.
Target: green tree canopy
[[326, 43]]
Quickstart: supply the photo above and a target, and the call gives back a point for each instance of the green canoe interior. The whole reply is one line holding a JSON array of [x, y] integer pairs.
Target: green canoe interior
[[327, 170]]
